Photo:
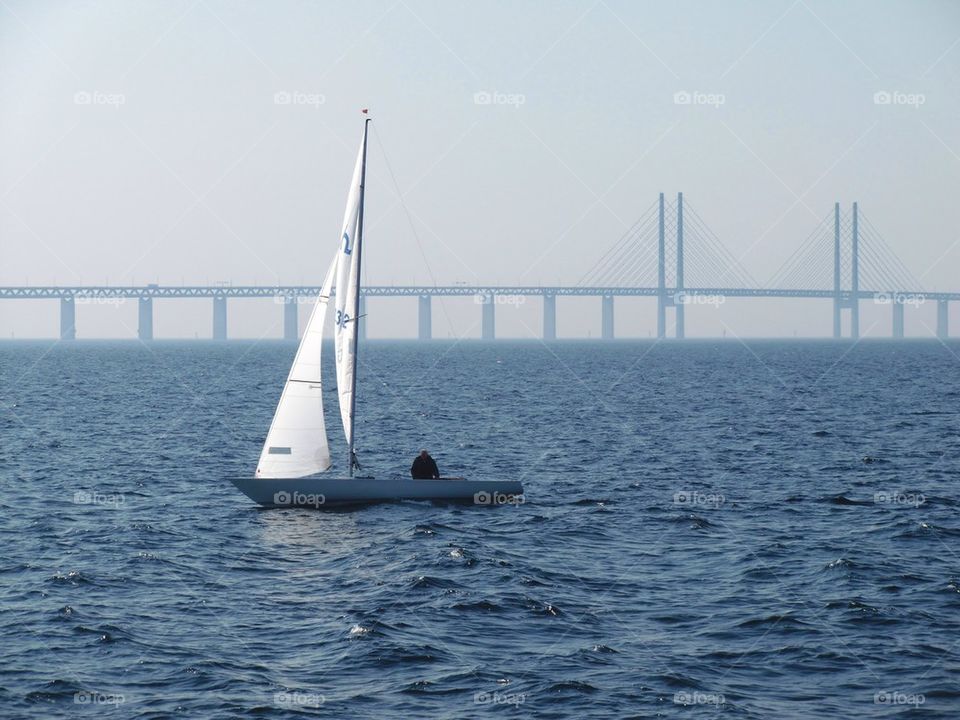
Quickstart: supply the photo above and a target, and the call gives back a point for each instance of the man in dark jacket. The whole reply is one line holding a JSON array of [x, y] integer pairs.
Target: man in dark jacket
[[424, 467]]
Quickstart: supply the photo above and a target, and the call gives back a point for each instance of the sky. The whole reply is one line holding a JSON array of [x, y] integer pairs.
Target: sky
[[206, 141]]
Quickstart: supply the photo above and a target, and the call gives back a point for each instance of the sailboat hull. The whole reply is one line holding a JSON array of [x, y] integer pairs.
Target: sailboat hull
[[320, 492]]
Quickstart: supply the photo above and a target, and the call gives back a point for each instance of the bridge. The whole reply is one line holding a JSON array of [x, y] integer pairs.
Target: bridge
[[844, 259]]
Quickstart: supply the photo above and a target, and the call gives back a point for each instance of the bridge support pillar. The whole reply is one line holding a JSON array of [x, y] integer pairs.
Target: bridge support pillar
[[424, 318], [291, 322], [219, 318], [145, 318], [661, 275], [897, 319], [837, 304], [487, 330], [661, 316], [68, 318], [549, 317], [679, 298], [855, 276], [943, 319], [606, 318]]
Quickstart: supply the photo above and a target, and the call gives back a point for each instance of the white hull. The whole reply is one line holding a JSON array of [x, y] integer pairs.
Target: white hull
[[319, 492]]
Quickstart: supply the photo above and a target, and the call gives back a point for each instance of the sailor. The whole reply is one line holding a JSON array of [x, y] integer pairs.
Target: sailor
[[424, 467]]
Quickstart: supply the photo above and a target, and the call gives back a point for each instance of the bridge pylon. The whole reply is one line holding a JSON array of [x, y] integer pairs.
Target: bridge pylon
[[847, 300]]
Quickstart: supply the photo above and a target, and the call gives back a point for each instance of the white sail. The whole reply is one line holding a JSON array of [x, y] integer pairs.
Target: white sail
[[348, 286], [296, 445]]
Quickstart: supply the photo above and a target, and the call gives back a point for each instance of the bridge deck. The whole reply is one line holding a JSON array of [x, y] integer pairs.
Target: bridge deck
[[254, 291]]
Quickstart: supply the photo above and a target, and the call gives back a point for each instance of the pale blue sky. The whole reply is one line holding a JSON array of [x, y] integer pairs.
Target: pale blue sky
[[184, 168]]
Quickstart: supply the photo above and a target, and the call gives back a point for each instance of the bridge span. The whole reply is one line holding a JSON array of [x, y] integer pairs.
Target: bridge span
[[487, 297], [670, 254]]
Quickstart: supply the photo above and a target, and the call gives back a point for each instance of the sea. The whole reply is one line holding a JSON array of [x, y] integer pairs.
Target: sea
[[709, 529]]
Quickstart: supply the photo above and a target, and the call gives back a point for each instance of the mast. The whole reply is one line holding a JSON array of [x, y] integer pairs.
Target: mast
[[356, 300]]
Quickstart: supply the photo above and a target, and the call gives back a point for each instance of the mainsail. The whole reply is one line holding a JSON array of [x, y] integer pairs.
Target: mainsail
[[296, 445], [348, 288]]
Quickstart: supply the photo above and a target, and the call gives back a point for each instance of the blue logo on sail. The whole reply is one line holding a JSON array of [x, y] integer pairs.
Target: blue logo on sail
[[347, 247]]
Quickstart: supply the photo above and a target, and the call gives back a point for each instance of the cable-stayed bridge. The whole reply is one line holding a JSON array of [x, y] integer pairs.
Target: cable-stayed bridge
[[669, 253]]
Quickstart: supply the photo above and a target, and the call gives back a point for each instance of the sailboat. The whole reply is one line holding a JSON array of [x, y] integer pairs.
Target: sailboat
[[294, 465]]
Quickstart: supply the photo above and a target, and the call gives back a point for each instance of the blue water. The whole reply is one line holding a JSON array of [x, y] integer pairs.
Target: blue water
[[710, 530]]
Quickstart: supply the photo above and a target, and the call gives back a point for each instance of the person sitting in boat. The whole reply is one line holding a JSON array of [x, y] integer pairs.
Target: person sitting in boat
[[424, 467]]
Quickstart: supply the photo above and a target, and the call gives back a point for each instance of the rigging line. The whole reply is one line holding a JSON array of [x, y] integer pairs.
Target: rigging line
[[623, 254], [894, 274], [809, 240], [635, 275], [721, 269], [732, 267], [817, 251], [813, 253], [628, 255], [876, 271], [897, 262], [627, 275], [729, 270], [812, 276], [872, 248], [709, 238], [812, 256], [413, 229], [622, 240], [630, 264], [713, 272]]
